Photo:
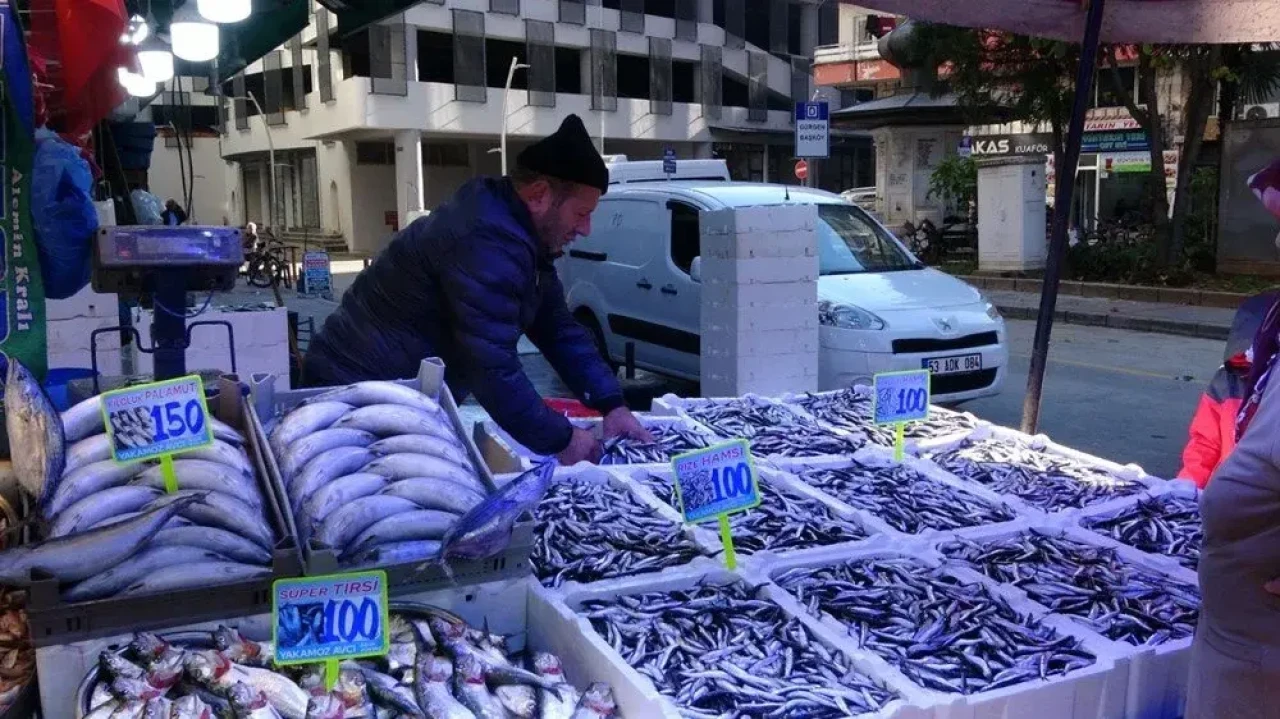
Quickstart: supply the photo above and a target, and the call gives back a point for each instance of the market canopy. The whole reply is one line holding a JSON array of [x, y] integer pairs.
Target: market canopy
[[1123, 21]]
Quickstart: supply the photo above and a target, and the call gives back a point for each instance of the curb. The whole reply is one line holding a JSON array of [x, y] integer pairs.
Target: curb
[[1121, 322], [1137, 293]]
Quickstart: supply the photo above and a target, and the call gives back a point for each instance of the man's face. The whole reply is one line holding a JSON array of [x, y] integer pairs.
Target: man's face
[[562, 217]]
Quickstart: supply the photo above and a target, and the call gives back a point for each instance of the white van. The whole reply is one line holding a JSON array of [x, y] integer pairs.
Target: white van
[[635, 280]]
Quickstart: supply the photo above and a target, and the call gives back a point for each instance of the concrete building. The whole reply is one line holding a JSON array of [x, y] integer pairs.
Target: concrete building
[[371, 126]]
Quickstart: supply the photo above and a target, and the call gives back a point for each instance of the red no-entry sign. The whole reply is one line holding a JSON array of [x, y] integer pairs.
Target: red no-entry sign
[[802, 170]]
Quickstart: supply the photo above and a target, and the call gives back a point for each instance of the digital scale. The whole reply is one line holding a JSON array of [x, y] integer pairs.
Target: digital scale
[[159, 265]]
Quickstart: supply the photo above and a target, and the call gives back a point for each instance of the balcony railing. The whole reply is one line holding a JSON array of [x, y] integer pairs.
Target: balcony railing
[[846, 52]]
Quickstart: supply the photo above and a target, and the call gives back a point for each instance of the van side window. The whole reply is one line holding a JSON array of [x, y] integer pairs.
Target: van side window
[[686, 237]]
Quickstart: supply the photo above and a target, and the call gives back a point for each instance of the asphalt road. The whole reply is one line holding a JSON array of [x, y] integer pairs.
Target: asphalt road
[[1126, 396]]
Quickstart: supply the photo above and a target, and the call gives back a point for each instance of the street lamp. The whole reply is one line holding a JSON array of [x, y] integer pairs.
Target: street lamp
[[271, 148], [506, 93]]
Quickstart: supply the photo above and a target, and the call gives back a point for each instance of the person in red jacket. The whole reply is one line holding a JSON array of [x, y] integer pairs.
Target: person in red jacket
[[1213, 428]]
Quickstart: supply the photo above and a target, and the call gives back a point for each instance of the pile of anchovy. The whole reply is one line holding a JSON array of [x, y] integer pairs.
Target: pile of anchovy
[[721, 652], [941, 633], [586, 532], [1117, 599], [852, 411], [905, 499], [1045, 481], [1168, 525], [670, 440], [784, 520], [772, 429]]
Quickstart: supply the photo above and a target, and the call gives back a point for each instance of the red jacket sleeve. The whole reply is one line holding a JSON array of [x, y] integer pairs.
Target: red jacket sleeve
[[1204, 445]]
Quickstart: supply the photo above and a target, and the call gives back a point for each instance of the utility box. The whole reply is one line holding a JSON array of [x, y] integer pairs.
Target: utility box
[[1011, 214]]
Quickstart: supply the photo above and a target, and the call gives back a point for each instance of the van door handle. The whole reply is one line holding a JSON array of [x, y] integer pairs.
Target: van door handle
[[669, 290], [644, 285]]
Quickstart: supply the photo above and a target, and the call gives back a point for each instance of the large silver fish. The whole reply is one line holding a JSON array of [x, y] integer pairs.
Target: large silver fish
[[102, 506], [338, 529], [386, 555], [36, 441], [409, 466], [450, 449], [335, 494], [224, 511], [189, 576], [305, 421], [486, 530], [220, 541], [89, 480], [85, 419], [134, 569], [324, 468], [416, 525], [433, 493], [363, 394], [297, 455], [202, 474], [80, 556], [97, 448], [389, 420]]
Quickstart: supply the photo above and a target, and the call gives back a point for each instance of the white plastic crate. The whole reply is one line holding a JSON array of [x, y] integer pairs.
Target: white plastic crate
[[912, 444], [658, 705], [1181, 488], [877, 457], [671, 404], [704, 540], [1157, 676], [1094, 692]]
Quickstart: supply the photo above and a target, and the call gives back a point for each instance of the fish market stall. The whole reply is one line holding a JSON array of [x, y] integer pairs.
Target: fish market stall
[[773, 429], [673, 436]]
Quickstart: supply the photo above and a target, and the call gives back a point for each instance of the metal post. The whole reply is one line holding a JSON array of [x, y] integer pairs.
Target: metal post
[[1063, 192], [271, 157], [169, 324], [506, 94]]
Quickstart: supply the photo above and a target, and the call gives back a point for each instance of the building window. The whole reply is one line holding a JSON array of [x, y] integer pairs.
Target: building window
[[324, 59], [468, 57], [299, 73], [660, 77], [506, 7], [388, 64], [438, 154], [273, 87], [711, 81], [686, 14], [735, 24], [573, 12], [632, 16], [540, 38], [240, 101], [758, 86], [779, 26], [604, 70]]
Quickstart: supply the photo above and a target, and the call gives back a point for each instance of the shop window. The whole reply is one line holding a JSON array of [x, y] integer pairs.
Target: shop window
[[375, 153], [686, 236], [446, 154]]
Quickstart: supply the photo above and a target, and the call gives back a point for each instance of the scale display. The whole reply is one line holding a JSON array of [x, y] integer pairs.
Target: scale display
[[129, 247]]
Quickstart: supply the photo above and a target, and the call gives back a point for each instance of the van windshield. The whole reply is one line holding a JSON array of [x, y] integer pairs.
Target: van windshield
[[849, 242]]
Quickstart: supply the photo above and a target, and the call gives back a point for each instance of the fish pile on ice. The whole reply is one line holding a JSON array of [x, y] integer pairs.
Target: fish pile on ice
[[905, 499], [1042, 480], [720, 651], [670, 440], [941, 633], [851, 410], [784, 521], [587, 532], [17, 657], [375, 472], [771, 429], [1118, 599], [1168, 525], [437, 668], [111, 530]]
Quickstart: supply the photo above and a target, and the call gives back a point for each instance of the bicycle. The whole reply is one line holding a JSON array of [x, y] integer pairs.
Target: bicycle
[[266, 264]]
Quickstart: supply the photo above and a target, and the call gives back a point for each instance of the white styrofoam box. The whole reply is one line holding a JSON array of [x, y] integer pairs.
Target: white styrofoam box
[[85, 303], [70, 343], [750, 344], [762, 297], [1098, 691], [873, 456], [760, 270], [1173, 488], [759, 218], [261, 338], [987, 431], [664, 706], [1157, 676], [728, 320], [703, 539]]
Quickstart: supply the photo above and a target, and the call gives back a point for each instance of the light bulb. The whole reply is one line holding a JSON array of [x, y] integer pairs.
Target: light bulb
[[136, 32], [157, 64], [194, 41], [225, 11], [135, 84]]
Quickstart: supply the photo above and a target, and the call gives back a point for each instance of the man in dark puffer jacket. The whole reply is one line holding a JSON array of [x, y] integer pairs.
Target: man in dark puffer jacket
[[465, 282]]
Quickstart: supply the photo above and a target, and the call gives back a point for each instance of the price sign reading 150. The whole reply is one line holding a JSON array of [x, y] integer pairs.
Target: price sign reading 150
[[157, 419]]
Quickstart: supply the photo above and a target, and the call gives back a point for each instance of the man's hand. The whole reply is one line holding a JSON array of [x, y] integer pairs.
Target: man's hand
[[621, 423], [1273, 587], [583, 447]]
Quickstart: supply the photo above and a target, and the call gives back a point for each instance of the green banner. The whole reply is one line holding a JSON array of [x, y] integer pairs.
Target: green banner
[[24, 333]]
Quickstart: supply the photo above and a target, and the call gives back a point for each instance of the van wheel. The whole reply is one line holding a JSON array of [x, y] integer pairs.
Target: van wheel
[[589, 321]]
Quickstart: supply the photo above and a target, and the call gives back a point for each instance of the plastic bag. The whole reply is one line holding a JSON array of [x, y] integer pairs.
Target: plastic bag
[[63, 214], [146, 207]]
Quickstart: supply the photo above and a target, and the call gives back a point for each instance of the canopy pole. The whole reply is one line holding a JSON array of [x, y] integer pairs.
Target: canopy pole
[[1063, 193]]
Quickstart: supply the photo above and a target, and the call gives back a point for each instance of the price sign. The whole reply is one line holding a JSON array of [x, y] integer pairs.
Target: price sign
[[157, 420], [329, 619], [901, 397], [716, 482]]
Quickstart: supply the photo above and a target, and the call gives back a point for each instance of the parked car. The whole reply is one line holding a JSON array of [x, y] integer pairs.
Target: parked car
[[635, 279]]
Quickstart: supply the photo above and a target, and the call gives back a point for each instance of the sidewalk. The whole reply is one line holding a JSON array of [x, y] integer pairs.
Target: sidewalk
[[1163, 318]]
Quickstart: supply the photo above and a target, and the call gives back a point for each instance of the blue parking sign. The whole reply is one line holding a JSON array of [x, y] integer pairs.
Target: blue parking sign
[[669, 161]]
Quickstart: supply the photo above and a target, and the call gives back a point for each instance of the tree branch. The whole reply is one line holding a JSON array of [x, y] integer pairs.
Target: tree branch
[[1142, 116]]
